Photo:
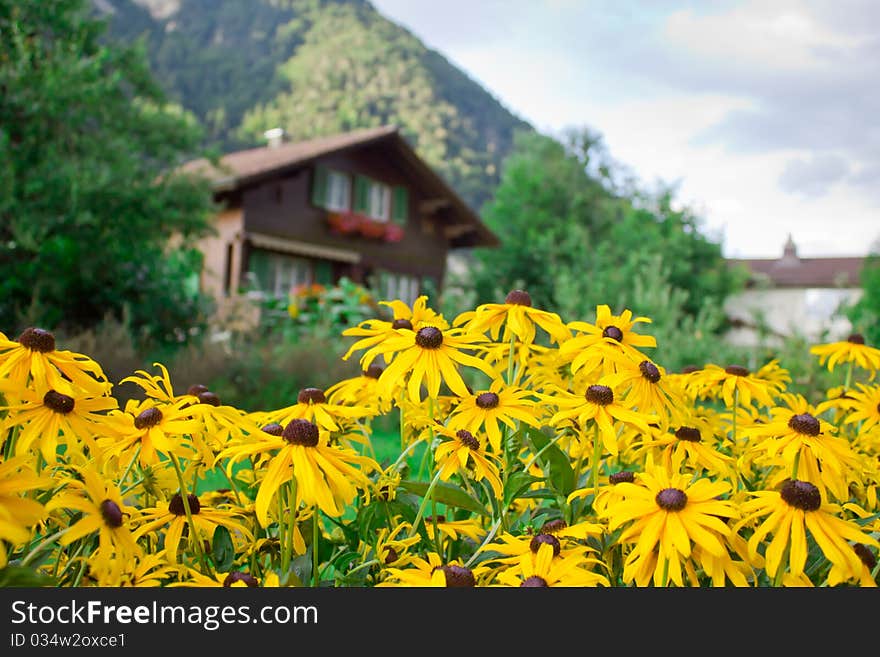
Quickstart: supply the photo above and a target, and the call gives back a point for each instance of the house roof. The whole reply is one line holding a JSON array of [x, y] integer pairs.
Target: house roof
[[790, 270], [240, 169]]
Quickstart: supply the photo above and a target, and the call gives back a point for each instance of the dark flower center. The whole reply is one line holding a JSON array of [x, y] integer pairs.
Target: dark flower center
[[430, 519], [613, 332], [149, 417], [458, 576], [391, 556], [196, 388], [534, 582], [373, 371], [540, 539], [671, 499], [553, 526], [601, 395], [37, 339], [402, 324], [690, 434], [649, 371], [518, 298], [801, 494], [57, 402], [467, 439], [487, 400], [687, 369], [429, 337], [301, 432], [208, 397], [175, 506], [273, 429], [111, 513], [234, 577], [865, 555], [805, 424], [855, 338], [311, 395], [624, 476], [737, 370]]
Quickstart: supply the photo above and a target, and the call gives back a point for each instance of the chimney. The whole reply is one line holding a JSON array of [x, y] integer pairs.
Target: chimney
[[274, 137], [789, 251]]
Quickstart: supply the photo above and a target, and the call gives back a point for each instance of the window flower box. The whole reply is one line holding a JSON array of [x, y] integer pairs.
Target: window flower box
[[372, 229], [393, 233], [344, 222]]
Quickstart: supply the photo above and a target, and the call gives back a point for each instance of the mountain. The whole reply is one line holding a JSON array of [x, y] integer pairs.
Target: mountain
[[317, 67]]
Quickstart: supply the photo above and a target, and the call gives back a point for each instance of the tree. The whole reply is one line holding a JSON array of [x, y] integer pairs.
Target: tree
[[577, 230], [93, 221], [865, 312]]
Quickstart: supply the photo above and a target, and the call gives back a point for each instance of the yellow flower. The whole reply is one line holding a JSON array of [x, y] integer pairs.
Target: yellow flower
[[231, 579], [326, 476], [34, 356], [430, 355], [312, 404], [171, 517], [484, 410], [598, 403], [432, 572], [18, 513], [544, 567], [645, 387], [792, 512], [665, 514], [864, 407], [737, 381], [462, 454], [852, 350], [518, 318]]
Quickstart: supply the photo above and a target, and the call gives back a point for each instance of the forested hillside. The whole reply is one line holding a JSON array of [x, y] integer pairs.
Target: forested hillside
[[316, 67]]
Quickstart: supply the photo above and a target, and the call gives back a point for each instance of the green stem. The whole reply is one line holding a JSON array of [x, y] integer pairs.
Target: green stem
[[30, 556], [486, 540], [780, 571], [597, 456], [402, 419], [794, 468], [510, 359], [849, 371], [428, 495], [664, 582], [316, 534], [184, 496], [128, 468], [537, 454], [735, 407], [404, 453], [366, 564]]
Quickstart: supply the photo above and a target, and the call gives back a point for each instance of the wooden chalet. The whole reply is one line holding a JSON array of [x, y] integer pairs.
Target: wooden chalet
[[361, 204]]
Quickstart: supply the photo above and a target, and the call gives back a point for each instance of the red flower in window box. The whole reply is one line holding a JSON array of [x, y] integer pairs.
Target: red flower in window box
[[344, 222], [372, 228], [393, 233]]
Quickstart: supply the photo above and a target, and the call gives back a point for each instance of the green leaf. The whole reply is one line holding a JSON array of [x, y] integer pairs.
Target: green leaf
[[23, 576], [561, 475], [448, 494], [222, 549], [518, 485]]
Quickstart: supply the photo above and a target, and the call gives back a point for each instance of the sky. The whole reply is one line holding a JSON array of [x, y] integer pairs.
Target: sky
[[765, 115]]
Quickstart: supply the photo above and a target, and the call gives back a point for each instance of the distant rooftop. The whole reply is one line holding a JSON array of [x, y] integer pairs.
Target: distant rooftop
[[790, 270]]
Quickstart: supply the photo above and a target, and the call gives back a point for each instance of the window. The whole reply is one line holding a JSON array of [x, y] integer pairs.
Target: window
[[331, 189], [338, 191], [277, 274], [372, 198], [398, 286]]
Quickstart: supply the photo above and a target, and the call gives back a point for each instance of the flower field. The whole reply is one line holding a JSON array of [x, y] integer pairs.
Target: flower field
[[533, 451]]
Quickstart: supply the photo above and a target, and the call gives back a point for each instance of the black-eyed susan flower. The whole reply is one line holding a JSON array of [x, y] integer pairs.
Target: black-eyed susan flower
[[229, 579], [150, 429], [546, 567], [18, 514], [34, 357], [360, 390], [611, 334], [737, 385], [864, 407], [663, 515], [645, 387], [518, 318], [853, 350], [598, 404], [487, 410], [689, 446], [312, 404], [792, 513], [104, 512], [327, 476], [430, 356], [432, 572], [170, 518], [375, 331], [48, 417], [805, 445], [146, 570], [461, 453], [470, 528]]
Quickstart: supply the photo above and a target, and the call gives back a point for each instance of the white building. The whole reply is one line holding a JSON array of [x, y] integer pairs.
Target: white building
[[794, 296]]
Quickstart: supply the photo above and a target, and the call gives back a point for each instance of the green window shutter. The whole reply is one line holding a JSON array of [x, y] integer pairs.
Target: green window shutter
[[261, 267], [319, 187], [324, 272], [400, 206], [361, 193]]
